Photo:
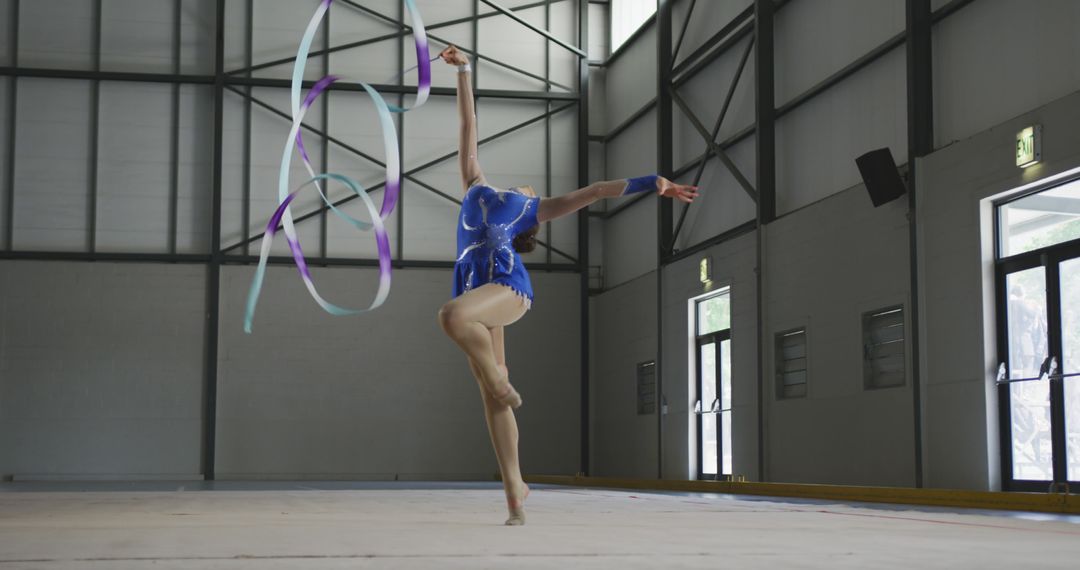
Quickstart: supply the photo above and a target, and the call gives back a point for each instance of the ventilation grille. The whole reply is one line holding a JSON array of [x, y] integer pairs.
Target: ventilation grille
[[646, 388], [791, 364], [883, 348]]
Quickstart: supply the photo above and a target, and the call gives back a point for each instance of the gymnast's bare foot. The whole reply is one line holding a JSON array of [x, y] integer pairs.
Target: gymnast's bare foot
[[515, 503]]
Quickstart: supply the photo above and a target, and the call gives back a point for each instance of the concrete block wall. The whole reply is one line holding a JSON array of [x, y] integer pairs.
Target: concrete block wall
[[385, 395], [623, 443], [819, 278], [957, 187], [101, 368], [733, 266]]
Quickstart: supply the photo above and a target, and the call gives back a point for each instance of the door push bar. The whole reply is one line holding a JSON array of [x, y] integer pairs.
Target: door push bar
[[1048, 371]]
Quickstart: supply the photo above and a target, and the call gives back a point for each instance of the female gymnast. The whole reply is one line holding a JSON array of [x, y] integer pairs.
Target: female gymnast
[[492, 288]]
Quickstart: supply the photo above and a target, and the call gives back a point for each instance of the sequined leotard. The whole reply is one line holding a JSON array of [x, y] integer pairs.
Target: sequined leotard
[[488, 222]]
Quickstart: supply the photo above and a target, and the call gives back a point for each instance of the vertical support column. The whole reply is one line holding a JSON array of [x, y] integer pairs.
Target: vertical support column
[[325, 138], [213, 281], [174, 131], [765, 113], [9, 175], [95, 120], [249, 37], [920, 143], [664, 166], [401, 139], [583, 227], [547, 123]]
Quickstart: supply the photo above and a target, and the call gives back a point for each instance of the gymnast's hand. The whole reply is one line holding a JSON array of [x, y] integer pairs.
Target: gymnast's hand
[[453, 56], [682, 192]]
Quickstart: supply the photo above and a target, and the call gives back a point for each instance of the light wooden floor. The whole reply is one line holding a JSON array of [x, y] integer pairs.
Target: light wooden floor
[[355, 525]]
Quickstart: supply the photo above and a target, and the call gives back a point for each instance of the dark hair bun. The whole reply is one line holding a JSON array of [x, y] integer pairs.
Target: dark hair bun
[[526, 240]]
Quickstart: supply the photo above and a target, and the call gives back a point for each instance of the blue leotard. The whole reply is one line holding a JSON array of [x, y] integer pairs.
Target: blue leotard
[[487, 225]]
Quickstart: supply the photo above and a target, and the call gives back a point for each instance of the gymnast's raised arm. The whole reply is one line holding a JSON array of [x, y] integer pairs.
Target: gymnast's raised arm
[[467, 148], [558, 206]]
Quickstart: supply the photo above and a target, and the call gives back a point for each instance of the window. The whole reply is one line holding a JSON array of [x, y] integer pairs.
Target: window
[[1040, 220], [883, 348], [626, 17], [791, 364]]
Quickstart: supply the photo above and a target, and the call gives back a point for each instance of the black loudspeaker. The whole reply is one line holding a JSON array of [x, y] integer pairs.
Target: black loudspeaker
[[881, 176]]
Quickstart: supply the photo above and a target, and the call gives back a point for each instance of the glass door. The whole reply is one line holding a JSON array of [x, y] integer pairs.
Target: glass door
[[712, 386], [1038, 298], [713, 406]]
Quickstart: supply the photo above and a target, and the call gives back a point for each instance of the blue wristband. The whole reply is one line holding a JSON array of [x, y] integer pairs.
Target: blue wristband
[[640, 184]]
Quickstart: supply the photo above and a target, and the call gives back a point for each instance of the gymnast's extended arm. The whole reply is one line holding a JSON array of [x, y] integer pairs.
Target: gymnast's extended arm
[[558, 206], [468, 150]]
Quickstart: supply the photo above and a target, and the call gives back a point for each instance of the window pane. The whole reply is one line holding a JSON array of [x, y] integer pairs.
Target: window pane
[[1027, 322], [1029, 401], [714, 314], [1040, 220], [708, 421], [725, 375], [626, 17], [725, 419], [1070, 342]]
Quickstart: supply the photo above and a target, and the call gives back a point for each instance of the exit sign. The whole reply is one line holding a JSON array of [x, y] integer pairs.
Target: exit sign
[[1029, 146]]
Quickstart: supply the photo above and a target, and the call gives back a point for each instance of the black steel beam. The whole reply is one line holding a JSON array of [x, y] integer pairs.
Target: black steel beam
[[716, 39], [324, 141], [727, 235], [400, 34], [682, 33], [510, 14], [213, 280], [765, 109], [104, 256], [101, 75], [241, 259], [394, 88], [664, 165], [396, 264], [583, 237], [713, 147], [249, 49], [712, 138], [765, 131], [12, 110], [95, 128], [401, 139], [475, 52], [547, 126], [174, 130], [920, 114]]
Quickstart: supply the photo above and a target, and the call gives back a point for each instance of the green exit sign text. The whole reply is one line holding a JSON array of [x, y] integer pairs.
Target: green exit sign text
[[1029, 146]]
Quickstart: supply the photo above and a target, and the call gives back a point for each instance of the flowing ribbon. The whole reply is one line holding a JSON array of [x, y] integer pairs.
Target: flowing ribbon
[[283, 213]]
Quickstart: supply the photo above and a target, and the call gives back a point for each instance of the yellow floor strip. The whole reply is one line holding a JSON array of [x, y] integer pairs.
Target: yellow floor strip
[[1039, 502]]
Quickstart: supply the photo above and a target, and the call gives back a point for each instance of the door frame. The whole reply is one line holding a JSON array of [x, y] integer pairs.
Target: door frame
[[1050, 258]]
